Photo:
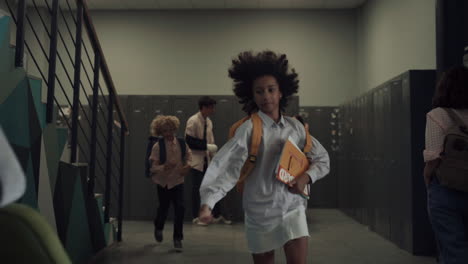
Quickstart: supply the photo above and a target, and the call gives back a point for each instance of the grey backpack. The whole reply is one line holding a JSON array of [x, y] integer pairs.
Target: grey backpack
[[452, 171]]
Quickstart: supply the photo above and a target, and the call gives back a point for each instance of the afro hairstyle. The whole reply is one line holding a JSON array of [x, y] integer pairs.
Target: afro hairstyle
[[249, 66]]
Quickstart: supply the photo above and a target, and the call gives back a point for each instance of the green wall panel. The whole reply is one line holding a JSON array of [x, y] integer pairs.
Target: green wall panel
[[52, 154], [63, 198], [62, 136], [10, 81], [30, 196], [36, 90], [4, 43], [78, 244], [14, 116]]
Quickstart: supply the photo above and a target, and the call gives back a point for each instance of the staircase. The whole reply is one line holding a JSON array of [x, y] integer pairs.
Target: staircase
[[57, 189]]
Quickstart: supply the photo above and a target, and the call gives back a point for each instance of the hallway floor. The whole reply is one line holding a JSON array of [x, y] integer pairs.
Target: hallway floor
[[335, 239]]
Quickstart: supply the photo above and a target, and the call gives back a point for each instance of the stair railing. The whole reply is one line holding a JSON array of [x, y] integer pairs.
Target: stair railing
[[104, 144]]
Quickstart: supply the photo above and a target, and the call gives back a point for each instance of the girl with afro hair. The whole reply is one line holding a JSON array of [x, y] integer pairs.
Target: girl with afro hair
[[274, 213]]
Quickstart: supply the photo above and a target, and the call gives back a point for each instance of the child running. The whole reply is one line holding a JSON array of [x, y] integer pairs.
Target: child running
[[275, 213]]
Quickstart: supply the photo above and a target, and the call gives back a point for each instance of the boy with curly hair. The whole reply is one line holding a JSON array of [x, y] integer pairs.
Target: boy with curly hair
[[169, 161], [274, 212]]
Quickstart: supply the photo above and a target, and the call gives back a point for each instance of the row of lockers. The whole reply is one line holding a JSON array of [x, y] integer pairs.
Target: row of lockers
[[140, 200], [323, 125], [140, 197], [380, 163]]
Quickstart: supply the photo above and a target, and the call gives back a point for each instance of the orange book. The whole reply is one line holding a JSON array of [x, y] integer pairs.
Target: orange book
[[293, 162]]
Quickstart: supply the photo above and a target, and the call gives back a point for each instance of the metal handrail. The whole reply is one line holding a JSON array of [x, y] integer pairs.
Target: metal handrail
[[83, 18], [104, 68]]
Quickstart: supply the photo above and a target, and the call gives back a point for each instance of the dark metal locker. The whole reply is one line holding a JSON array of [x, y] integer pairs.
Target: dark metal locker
[[227, 113], [370, 155], [386, 190], [399, 185], [405, 163], [320, 123], [184, 107], [142, 192], [127, 172], [382, 213], [159, 105], [422, 88], [223, 118]]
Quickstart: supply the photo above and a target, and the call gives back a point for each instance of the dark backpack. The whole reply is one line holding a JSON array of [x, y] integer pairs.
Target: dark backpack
[[452, 171], [162, 149], [162, 152], [149, 148]]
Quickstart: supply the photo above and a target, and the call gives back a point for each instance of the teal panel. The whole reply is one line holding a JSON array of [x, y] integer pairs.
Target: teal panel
[[10, 81], [4, 43], [78, 245], [107, 229], [52, 155], [100, 202], [30, 195], [62, 136], [14, 117], [36, 91]]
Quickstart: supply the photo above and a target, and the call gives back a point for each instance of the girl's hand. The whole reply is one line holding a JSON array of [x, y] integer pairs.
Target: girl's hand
[[205, 214], [169, 166], [299, 183]]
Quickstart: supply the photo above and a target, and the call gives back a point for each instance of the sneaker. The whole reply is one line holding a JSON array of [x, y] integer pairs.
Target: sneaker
[[223, 220], [178, 245], [217, 219], [226, 221], [158, 235], [197, 221]]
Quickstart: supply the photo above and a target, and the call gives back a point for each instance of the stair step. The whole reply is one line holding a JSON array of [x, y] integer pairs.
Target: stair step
[[30, 76], [5, 64], [36, 91], [100, 204]]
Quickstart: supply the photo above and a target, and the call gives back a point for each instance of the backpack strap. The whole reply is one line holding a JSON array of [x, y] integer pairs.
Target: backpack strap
[[236, 125], [149, 148], [255, 139], [162, 150], [183, 148], [458, 121], [308, 144], [257, 133]]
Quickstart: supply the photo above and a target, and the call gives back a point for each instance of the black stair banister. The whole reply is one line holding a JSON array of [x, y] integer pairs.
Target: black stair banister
[[52, 62], [20, 19]]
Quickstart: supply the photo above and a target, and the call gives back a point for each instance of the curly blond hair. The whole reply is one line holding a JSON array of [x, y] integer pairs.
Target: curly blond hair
[[162, 122]]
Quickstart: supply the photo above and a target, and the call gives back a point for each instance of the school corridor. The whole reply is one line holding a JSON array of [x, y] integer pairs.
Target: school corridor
[[81, 82]]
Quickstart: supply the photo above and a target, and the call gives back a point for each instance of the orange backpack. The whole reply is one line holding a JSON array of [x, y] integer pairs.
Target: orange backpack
[[256, 137]]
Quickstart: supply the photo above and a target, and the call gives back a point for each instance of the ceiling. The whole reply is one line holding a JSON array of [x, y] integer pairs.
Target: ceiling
[[221, 4]]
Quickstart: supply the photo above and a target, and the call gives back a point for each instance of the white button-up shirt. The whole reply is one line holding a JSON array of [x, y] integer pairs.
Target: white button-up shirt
[[194, 128], [265, 199]]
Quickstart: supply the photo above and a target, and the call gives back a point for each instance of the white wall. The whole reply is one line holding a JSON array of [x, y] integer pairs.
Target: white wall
[[338, 54], [182, 52], [393, 37]]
